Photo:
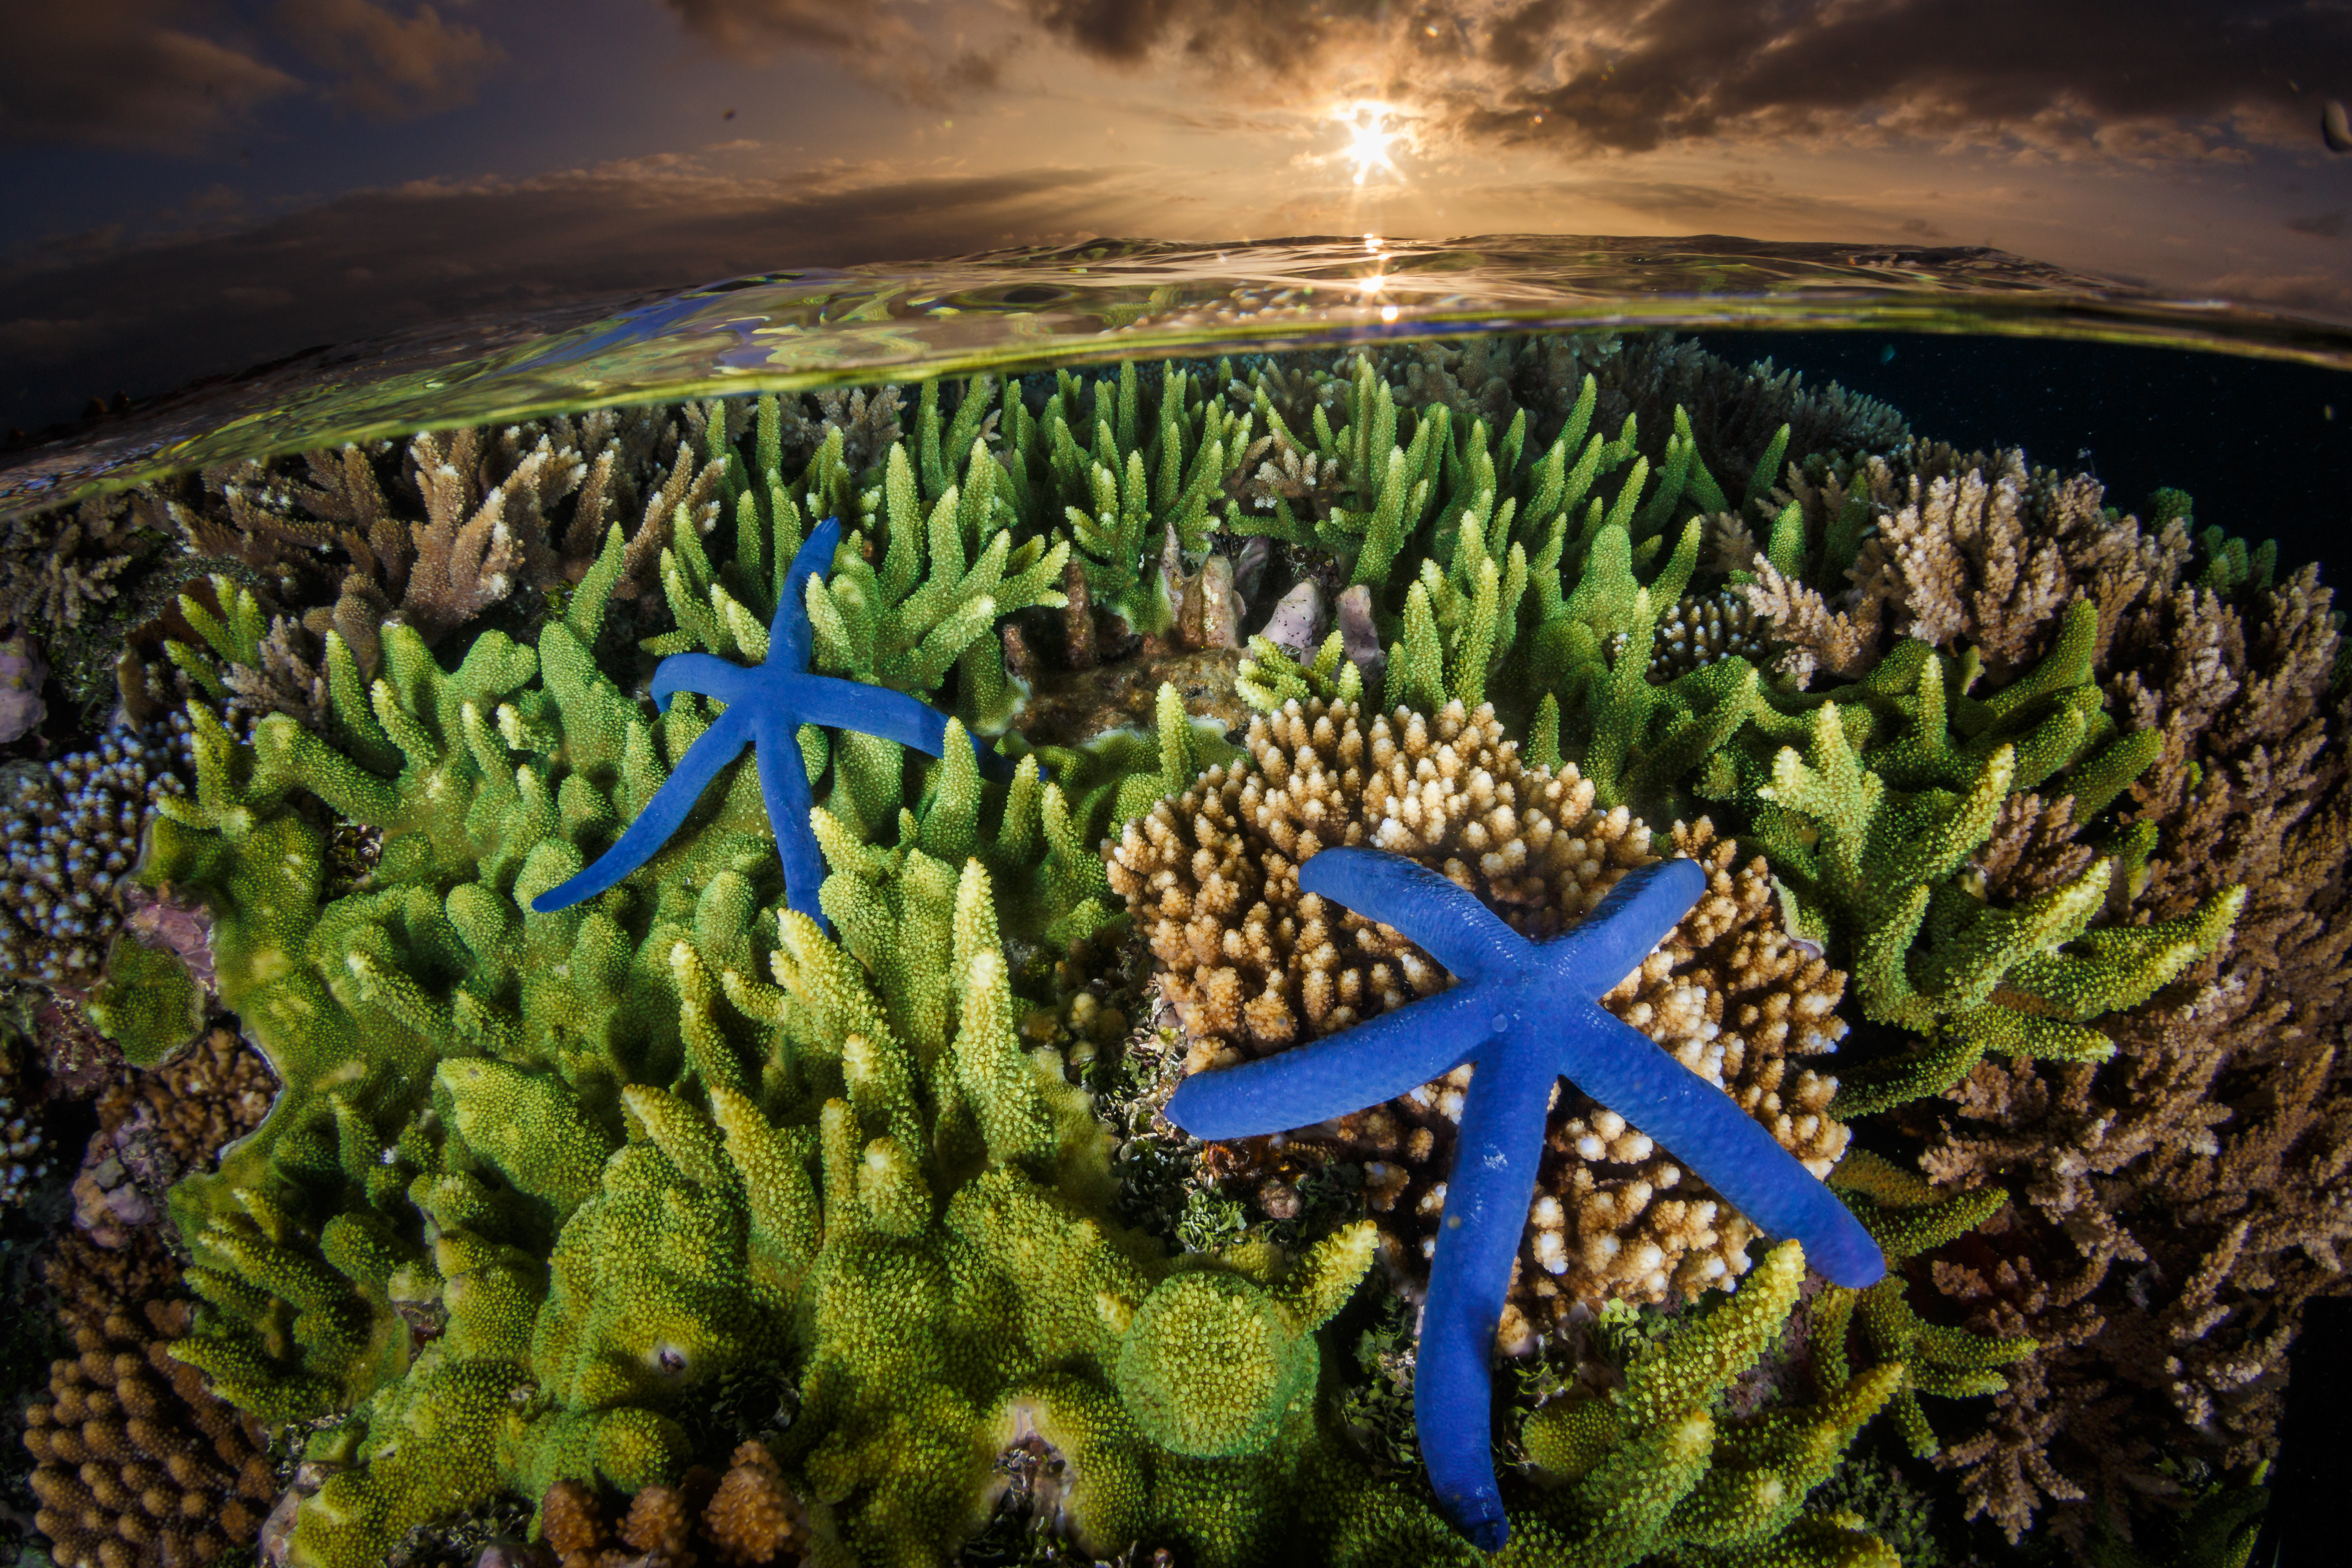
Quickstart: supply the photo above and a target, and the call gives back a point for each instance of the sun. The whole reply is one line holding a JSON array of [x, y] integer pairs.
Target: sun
[[1371, 135]]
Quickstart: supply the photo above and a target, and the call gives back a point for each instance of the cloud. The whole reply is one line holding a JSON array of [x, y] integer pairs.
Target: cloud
[[2151, 83], [906, 51], [182, 75], [1283, 39], [127, 74], [386, 68]]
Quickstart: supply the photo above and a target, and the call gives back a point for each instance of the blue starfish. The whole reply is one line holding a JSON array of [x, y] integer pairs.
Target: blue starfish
[[766, 706], [1527, 1015]]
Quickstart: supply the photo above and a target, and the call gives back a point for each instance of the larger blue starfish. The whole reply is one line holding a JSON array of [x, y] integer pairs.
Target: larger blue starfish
[[766, 705], [1526, 1015]]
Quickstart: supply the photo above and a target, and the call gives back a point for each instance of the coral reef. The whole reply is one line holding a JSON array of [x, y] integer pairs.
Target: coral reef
[[140, 1465], [2034, 810]]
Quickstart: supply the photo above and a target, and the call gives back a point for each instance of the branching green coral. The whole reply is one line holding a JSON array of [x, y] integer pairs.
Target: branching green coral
[[912, 1217], [1869, 827], [1649, 1469], [1906, 1217], [536, 1177], [1120, 491]]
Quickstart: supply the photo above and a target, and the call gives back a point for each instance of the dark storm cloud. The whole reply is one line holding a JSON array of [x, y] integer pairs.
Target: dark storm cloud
[[2159, 81], [903, 50], [91, 315], [1284, 37], [386, 66], [2103, 75], [128, 73], [178, 76]]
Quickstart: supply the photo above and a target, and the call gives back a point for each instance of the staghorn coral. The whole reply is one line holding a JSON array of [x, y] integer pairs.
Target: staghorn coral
[[72, 832], [59, 568], [1870, 824], [1654, 1466], [1253, 968], [139, 1464], [929, 604], [1127, 484]]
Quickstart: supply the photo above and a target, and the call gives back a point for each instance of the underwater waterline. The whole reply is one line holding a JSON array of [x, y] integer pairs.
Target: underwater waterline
[[1105, 300], [751, 338]]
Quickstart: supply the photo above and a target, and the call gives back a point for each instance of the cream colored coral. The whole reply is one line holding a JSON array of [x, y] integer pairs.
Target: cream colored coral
[[1252, 967]]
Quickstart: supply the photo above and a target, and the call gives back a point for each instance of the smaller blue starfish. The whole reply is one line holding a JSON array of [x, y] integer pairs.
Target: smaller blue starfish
[[766, 706], [1527, 1015]]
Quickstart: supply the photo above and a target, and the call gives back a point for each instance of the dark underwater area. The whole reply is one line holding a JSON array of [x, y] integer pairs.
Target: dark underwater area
[[2274, 437], [2145, 481]]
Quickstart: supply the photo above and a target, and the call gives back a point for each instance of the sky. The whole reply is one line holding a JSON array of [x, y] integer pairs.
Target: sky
[[191, 186]]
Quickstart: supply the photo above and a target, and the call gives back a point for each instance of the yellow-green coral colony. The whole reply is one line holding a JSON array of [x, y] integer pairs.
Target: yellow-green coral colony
[[536, 1182]]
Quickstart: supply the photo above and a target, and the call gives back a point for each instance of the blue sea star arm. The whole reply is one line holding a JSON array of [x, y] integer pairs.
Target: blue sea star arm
[[663, 814], [1488, 1194], [1705, 1130], [1448, 922], [784, 790], [788, 629], [892, 715], [1626, 926], [1393, 1054], [704, 675]]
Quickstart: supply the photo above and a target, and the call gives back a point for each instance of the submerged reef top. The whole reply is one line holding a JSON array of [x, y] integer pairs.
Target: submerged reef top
[[2015, 828]]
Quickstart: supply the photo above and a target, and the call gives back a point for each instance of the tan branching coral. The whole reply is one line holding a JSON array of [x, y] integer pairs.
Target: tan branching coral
[[867, 418], [1816, 635], [438, 529], [1253, 966], [139, 1464], [753, 1517], [55, 569], [746, 1516], [1970, 548], [155, 1127]]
